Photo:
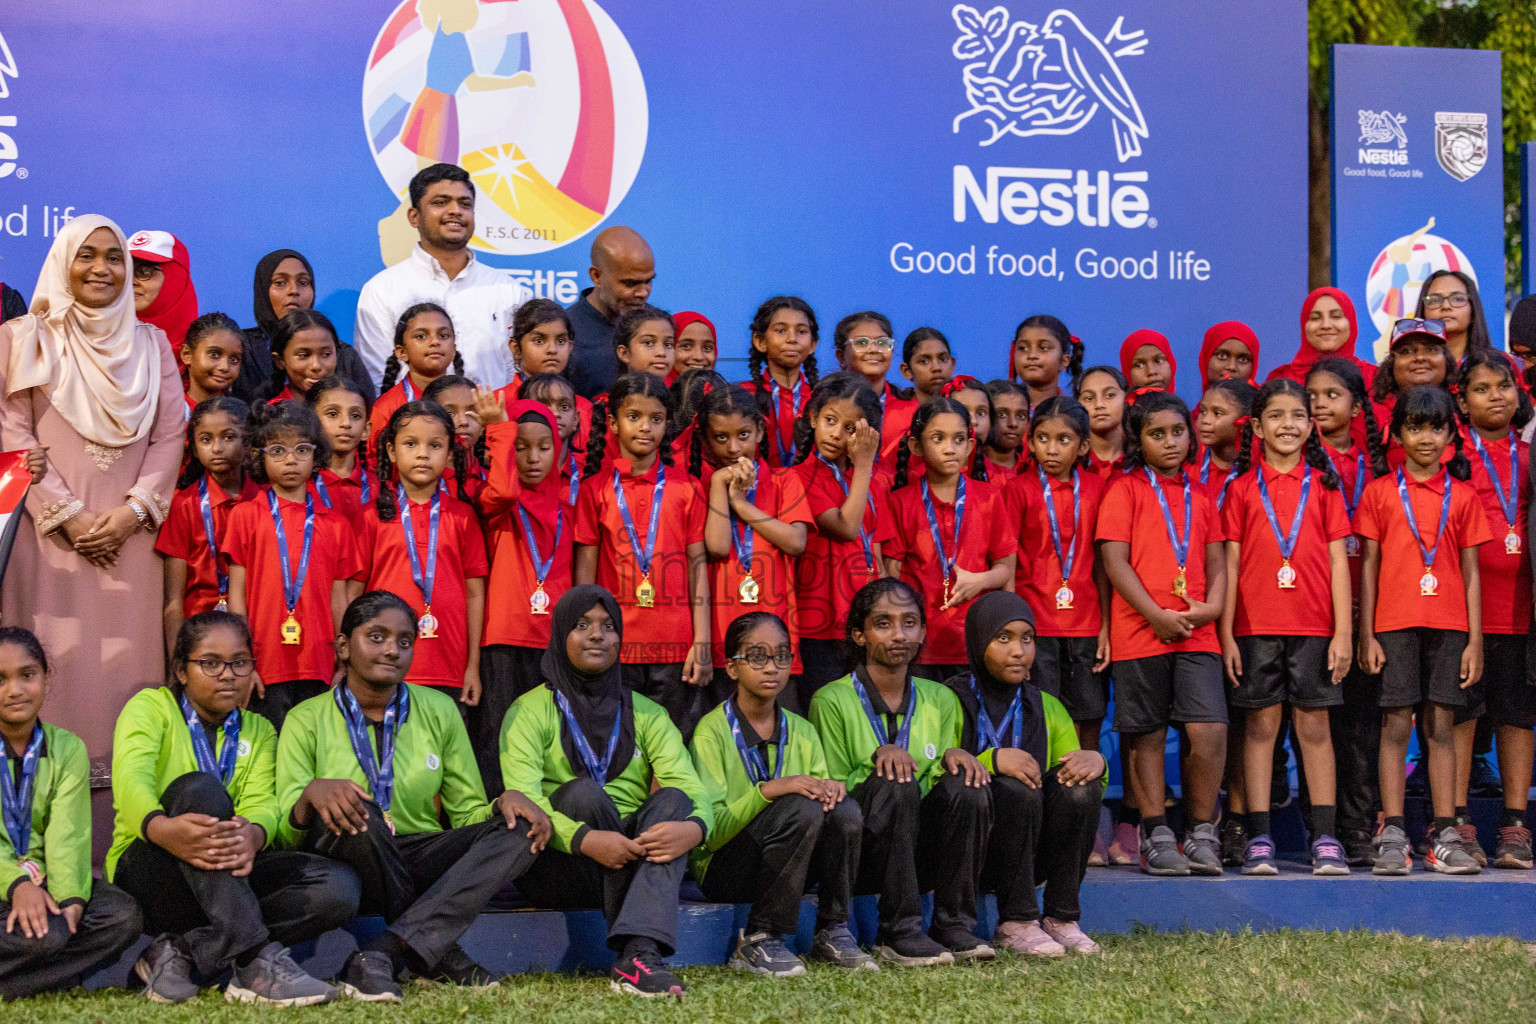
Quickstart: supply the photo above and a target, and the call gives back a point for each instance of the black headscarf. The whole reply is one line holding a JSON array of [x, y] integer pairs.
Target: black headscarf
[[593, 699], [261, 303], [985, 618]]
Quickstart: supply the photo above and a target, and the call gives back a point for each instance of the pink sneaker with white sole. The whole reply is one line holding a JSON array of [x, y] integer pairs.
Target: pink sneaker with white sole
[[1069, 936], [1125, 847], [1100, 855], [1026, 937]]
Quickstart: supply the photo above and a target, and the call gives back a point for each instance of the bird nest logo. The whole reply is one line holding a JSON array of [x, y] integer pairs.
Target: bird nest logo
[[541, 101], [1048, 79]]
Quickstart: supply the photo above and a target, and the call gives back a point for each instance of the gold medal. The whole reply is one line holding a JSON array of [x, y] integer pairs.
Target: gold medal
[[390, 822], [291, 631], [426, 626], [1286, 577], [1064, 597], [1428, 583], [538, 601], [645, 594], [1511, 542], [1352, 546], [1180, 584], [223, 605], [748, 591]]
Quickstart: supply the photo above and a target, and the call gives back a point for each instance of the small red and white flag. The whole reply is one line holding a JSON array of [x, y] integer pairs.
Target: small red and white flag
[[14, 481]]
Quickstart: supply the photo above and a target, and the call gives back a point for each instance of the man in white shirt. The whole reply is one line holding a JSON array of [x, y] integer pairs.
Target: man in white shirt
[[443, 269]]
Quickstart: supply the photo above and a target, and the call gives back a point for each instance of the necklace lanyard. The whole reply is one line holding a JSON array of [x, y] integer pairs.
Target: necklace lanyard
[[1287, 542], [643, 555], [1508, 503], [541, 566], [946, 562], [575, 477], [325, 493], [597, 770], [406, 389], [205, 505], [293, 582], [1180, 545], [744, 539], [990, 738], [1205, 478], [866, 535], [1068, 556], [904, 731], [224, 767], [1427, 583], [786, 453], [425, 580], [752, 757], [380, 771], [1353, 502], [16, 798]]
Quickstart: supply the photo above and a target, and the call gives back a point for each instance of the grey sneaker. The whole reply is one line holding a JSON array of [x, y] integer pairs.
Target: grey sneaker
[[1449, 856], [1394, 854], [369, 976], [916, 950], [1202, 848], [273, 978], [763, 953], [166, 973], [836, 945], [1160, 853]]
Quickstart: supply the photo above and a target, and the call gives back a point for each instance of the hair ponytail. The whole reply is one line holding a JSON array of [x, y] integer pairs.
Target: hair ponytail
[[1244, 460], [391, 373], [1460, 466], [597, 438], [1317, 457]]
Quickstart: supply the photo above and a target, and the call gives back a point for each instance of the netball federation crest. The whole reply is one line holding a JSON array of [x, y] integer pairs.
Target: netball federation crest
[[1461, 143]]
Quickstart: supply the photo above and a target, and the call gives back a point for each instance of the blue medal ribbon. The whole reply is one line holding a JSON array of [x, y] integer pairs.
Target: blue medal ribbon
[[224, 767], [751, 757], [742, 542], [324, 492], [1205, 477], [1352, 503], [1180, 545], [990, 738], [406, 389], [1287, 542], [575, 477], [16, 797], [866, 536], [904, 731], [1445, 514], [206, 505], [1508, 503], [946, 562], [293, 582], [380, 771], [643, 555], [1066, 560], [597, 770], [424, 580], [786, 455], [541, 566]]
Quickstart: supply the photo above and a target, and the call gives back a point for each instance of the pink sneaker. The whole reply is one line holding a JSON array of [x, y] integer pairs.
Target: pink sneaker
[[1125, 848], [1100, 855], [1069, 936], [1027, 938]]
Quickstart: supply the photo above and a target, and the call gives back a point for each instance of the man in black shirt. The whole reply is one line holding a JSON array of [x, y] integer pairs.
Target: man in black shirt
[[622, 271]]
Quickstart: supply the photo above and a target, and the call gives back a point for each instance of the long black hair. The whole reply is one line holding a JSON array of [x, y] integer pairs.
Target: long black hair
[[920, 420], [1069, 344], [916, 337], [1425, 405], [27, 641], [965, 382], [292, 323], [1312, 450], [1478, 338], [392, 364], [1499, 363], [192, 469], [834, 386], [757, 360], [1240, 391], [1136, 417], [1070, 410], [1347, 372], [688, 392], [267, 419], [537, 313], [730, 400], [384, 501], [629, 385]]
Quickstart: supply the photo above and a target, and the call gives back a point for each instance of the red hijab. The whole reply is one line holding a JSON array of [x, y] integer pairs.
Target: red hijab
[[175, 307], [1307, 356], [688, 318], [1145, 337], [543, 501], [1217, 336]]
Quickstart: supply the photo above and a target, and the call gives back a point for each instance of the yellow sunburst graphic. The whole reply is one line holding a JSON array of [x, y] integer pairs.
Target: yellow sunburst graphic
[[509, 179]]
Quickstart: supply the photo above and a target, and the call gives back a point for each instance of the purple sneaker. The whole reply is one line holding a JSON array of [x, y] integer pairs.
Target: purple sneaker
[[1328, 857]]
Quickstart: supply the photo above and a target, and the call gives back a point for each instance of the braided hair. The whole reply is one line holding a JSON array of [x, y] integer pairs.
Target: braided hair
[[629, 385], [757, 358], [832, 387], [291, 324], [392, 365], [193, 470], [1136, 417], [689, 389], [730, 400], [1489, 359], [1425, 405], [1071, 412], [1347, 372], [1069, 343], [384, 502], [1313, 452], [920, 420], [964, 382], [267, 419]]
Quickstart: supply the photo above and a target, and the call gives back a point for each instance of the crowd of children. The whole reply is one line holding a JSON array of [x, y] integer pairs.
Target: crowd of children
[[803, 631]]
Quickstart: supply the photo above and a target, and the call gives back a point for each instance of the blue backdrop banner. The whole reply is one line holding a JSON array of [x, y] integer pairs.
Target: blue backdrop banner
[[1121, 165], [1418, 179]]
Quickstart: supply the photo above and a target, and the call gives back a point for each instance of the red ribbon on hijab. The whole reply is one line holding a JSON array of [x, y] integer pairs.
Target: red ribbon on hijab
[[1220, 334]]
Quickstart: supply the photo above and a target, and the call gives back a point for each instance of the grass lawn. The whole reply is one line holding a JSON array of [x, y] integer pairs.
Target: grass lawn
[[1275, 977]]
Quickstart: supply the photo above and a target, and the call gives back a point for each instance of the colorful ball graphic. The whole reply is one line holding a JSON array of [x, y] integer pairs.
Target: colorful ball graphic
[[1398, 273], [541, 101]]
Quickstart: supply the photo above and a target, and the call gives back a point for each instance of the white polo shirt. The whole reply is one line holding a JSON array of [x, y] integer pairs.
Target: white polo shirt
[[480, 301]]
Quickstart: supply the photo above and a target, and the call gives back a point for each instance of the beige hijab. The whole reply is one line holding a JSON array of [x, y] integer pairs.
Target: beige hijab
[[99, 367]]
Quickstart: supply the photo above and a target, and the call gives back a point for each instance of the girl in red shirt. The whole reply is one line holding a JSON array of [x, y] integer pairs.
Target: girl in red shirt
[[926, 540], [846, 494], [1496, 409], [1286, 631], [756, 519], [695, 348], [290, 560], [1221, 416], [1421, 615], [1005, 448], [1230, 351], [640, 535], [1102, 390], [196, 579], [864, 346], [425, 544], [645, 342], [928, 362], [1043, 350], [972, 394], [1146, 360], [345, 484], [555, 393], [212, 355], [459, 398], [424, 345], [1160, 542], [541, 345], [304, 351], [783, 367]]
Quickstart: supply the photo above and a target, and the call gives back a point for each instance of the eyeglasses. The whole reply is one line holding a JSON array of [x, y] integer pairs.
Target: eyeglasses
[[281, 452], [883, 344], [214, 667], [758, 657], [1455, 300]]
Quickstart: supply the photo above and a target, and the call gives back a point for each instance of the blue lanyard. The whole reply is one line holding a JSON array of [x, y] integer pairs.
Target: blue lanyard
[[904, 731], [224, 767], [379, 771], [643, 555], [1180, 546], [16, 798], [866, 535], [575, 478], [324, 491], [1508, 503], [293, 583], [786, 456], [541, 566], [1205, 477], [946, 562], [1288, 542], [747, 536], [751, 757], [1065, 561], [989, 738], [406, 389], [424, 580], [362, 475], [206, 506], [1350, 504], [1413, 525], [597, 770]]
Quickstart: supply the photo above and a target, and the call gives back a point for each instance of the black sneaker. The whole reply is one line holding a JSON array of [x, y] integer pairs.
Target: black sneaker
[[1234, 841], [369, 975], [645, 974], [966, 946], [916, 950], [166, 972], [1484, 780], [459, 968], [274, 979], [1359, 851]]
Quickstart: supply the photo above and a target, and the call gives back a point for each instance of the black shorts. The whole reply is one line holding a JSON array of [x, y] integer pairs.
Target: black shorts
[[1284, 670], [1181, 687], [1503, 693], [1064, 669], [1423, 664]]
